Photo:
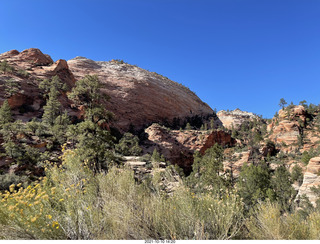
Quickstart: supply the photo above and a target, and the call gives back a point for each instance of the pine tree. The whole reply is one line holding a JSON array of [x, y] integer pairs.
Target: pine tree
[[156, 156], [94, 144], [52, 109], [282, 103], [206, 170], [129, 145], [282, 186], [55, 82], [87, 92], [5, 113], [254, 184], [211, 123]]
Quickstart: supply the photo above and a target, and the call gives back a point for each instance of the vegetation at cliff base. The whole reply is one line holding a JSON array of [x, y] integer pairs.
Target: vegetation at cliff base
[[65, 176]]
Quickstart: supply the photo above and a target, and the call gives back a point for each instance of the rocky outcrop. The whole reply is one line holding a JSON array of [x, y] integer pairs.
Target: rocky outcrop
[[311, 179], [295, 113], [287, 127], [178, 146], [139, 97], [286, 132], [33, 66], [217, 136], [234, 118], [27, 59]]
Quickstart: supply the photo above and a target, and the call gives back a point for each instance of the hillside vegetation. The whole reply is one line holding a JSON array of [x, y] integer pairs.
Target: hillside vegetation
[[68, 177]]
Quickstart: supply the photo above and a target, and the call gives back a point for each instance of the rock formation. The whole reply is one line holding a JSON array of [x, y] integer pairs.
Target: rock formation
[[178, 146], [140, 97], [234, 118], [311, 179]]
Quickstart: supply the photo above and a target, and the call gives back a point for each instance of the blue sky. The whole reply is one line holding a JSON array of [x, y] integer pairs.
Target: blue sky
[[243, 54]]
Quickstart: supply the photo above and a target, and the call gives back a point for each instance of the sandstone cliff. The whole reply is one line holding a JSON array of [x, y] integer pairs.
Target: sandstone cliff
[[178, 146], [140, 97]]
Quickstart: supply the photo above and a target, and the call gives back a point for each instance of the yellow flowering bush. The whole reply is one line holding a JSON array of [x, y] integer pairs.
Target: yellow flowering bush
[[72, 202]]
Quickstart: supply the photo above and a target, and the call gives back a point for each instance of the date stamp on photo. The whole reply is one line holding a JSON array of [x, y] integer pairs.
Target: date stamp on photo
[[160, 241]]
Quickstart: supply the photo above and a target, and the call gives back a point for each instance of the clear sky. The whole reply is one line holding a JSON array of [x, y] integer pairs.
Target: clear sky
[[243, 54]]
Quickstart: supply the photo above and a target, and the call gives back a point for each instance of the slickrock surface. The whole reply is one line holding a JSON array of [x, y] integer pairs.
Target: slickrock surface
[[234, 118], [140, 97]]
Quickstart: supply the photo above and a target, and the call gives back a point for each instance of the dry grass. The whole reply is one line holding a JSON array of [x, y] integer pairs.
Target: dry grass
[[72, 203], [269, 224]]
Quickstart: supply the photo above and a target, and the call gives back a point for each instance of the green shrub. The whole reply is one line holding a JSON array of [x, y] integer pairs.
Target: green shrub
[[269, 223], [23, 73], [72, 202], [129, 145], [5, 67]]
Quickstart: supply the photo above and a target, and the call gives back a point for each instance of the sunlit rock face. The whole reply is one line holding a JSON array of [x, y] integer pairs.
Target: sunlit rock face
[[139, 97], [234, 118], [311, 179], [179, 146], [30, 67]]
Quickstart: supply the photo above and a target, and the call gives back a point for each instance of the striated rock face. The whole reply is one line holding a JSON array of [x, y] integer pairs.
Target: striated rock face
[[140, 97], [179, 146], [217, 136], [297, 112], [311, 179], [287, 127], [234, 118], [286, 131]]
